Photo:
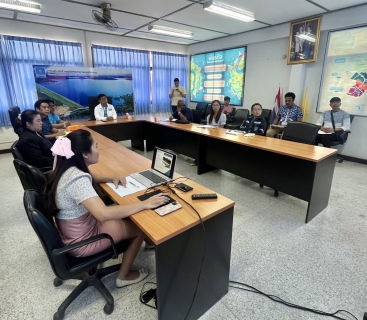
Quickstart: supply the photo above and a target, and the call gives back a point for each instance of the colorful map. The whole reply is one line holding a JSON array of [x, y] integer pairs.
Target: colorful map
[[345, 71], [218, 74]]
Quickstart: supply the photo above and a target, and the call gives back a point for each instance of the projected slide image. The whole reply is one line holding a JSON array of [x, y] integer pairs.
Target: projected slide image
[[218, 74]]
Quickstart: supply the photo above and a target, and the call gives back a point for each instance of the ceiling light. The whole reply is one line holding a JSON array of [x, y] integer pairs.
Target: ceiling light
[[229, 11], [24, 5], [170, 32]]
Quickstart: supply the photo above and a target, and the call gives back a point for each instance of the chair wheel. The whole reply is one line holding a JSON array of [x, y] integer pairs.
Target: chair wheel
[[57, 282], [261, 186], [340, 160], [276, 193], [108, 308], [59, 316]]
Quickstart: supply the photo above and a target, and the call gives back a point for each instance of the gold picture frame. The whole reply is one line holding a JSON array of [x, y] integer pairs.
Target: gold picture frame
[[304, 41]]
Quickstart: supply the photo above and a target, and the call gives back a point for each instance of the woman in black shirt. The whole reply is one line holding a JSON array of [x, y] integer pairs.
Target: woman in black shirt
[[34, 147]]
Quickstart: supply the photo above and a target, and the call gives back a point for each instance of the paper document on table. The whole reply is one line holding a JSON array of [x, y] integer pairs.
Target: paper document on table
[[132, 186], [235, 132], [206, 126], [322, 132], [168, 120]]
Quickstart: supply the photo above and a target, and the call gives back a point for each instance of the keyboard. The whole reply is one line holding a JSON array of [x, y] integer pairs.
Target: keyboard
[[152, 176], [146, 196]]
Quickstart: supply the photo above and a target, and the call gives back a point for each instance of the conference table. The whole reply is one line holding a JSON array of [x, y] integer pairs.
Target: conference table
[[179, 237], [300, 170]]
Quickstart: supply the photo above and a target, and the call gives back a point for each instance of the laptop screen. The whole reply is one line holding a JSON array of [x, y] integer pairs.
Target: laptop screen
[[164, 162]]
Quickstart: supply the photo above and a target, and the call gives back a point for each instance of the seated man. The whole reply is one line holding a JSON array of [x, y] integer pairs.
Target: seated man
[[287, 113], [255, 123], [332, 131], [50, 133], [227, 109], [54, 118], [104, 111], [182, 113]]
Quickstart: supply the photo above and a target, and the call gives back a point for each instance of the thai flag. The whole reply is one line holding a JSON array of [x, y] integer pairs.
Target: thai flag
[[276, 106]]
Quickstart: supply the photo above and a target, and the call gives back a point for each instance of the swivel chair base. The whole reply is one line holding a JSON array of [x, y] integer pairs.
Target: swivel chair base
[[92, 278], [276, 192]]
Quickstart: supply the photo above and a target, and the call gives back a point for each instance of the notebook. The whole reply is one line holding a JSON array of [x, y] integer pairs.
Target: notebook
[[162, 169]]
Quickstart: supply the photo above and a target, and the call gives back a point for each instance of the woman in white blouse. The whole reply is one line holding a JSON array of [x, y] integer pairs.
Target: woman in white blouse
[[73, 197], [216, 118]]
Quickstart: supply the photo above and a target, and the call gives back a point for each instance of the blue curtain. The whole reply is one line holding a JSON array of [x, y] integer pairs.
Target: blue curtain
[[137, 61], [17, 55], [166, 67]]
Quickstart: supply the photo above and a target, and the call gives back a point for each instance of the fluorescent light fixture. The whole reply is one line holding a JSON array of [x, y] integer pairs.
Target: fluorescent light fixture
[[229, 11], [310, 38], [170, 32], [23, 5]]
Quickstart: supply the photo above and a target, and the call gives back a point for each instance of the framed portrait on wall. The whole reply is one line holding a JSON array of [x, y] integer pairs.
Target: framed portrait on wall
[[304, 41]]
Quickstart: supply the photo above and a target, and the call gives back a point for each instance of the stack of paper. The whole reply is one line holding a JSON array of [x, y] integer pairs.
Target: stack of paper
[[235, 132], [132, 186], [206, 126]]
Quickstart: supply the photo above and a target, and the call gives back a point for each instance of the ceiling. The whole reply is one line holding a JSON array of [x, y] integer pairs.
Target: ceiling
[[134, 16]]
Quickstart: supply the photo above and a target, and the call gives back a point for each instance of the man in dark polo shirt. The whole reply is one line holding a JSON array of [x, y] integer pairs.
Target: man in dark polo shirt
[[182, 113], [50, 133]]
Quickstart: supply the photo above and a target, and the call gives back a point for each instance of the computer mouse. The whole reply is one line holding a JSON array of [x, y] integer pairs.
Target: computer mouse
[[174, 203]]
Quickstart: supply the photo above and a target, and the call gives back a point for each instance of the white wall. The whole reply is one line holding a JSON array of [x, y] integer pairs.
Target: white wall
[[86, 38], [267, 67]]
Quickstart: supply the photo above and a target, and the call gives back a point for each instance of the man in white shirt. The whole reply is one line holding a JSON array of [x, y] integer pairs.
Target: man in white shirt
[[176, 92], [332, 131], [104, 111]]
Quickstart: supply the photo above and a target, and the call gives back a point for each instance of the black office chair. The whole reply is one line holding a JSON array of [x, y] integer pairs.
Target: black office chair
[[13, 114], [15, 152], [29, 176], [18, 156], [266, 113], [343, 139], [93, 103], [240, 116], [67, 267], [301, 132], [202, 106], [197, 116], [231, 116]]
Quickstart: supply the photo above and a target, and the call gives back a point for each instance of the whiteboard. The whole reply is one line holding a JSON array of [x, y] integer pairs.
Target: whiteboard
[[345, 71]]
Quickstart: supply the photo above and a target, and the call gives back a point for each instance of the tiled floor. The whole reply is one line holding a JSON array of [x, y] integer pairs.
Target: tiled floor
[[320, 265]]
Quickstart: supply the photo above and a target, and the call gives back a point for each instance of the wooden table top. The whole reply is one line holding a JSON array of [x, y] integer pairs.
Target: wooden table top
[[288, 148], [103, 142], [122, 161]]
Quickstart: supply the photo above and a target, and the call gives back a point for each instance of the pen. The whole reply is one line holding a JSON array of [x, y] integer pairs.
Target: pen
[[133, 184]]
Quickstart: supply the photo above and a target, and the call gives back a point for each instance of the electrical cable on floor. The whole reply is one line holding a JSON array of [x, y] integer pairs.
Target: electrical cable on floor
[[252, 289], [289, 304]]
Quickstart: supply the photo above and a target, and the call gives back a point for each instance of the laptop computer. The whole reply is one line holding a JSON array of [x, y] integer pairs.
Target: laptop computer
[[162, 170]]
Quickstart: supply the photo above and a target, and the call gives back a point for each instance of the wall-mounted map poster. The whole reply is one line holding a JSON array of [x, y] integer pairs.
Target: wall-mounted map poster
[[345, 71], [216, 75]]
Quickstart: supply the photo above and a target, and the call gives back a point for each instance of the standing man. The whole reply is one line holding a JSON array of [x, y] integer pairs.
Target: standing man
[[182, 113], [104, 111], [287, 113], [54, 118], [227, 109], [332, 129], [176, 92], [50, 133]]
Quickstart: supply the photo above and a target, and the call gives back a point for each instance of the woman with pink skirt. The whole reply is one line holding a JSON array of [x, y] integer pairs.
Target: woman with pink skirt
[[72, 195]]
